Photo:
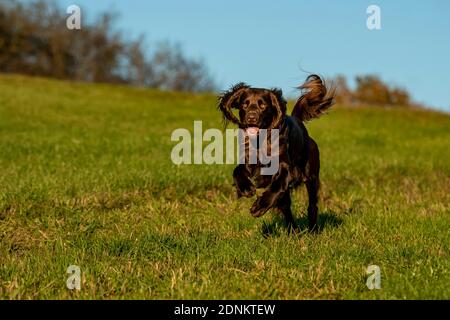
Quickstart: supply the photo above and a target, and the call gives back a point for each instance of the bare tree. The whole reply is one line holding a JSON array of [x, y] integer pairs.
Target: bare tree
[[173, 71], [35, 41]]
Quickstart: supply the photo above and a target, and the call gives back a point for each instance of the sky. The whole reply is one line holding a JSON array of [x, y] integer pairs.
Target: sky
[[276, 43]]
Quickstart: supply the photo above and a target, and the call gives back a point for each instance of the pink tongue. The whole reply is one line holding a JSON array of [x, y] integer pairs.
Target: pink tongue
[[252, 131]]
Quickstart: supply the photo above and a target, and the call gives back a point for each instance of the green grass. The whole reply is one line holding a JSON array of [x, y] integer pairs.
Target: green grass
[[86, 179]]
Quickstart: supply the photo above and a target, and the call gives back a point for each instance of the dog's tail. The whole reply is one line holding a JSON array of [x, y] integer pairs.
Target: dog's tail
[[314, 101]]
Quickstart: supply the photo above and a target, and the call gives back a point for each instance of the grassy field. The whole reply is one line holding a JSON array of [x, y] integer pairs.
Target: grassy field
[[86, 179]]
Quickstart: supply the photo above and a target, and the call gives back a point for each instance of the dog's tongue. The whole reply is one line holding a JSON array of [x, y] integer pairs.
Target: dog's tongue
[[252, 131]]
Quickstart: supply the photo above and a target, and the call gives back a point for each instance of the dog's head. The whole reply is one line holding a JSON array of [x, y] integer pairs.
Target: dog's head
[[257, 108]]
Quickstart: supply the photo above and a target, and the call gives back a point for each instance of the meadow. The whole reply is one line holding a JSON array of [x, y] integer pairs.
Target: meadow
[[86, 179]]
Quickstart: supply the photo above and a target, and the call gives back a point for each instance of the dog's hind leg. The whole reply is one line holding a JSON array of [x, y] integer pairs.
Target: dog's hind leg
[[312, 183], [313, 196], [284, 205]]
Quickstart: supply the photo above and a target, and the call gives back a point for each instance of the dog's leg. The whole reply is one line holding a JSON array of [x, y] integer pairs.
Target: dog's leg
[[313, 183], [284, 205], [244, 186], [279, 185], [313, 190]]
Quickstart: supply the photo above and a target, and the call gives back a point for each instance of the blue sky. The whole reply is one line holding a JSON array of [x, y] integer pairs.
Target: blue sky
[[269, 43]]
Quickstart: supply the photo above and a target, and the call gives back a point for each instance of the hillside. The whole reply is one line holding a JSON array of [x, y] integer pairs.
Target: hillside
[[86, 179]]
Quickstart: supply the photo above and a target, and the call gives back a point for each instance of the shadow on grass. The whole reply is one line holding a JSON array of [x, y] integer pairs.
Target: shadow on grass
[[278, 226]]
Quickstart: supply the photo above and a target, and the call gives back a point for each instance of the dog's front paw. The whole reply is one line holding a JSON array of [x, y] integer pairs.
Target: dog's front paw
[[245, 189], [260, 206]]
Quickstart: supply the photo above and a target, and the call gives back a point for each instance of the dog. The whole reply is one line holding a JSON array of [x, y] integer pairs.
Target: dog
[[298, 153]]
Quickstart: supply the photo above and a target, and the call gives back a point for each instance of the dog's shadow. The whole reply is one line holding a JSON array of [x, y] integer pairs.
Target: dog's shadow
[[277, 226]]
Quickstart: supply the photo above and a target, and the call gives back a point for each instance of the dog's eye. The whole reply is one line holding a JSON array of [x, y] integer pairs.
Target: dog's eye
[[260, 102]]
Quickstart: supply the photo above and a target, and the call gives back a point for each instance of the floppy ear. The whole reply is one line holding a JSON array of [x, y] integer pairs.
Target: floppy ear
[[278, 102], [229, 99]]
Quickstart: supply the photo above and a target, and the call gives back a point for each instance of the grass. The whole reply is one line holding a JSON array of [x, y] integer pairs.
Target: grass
[[86, 179]]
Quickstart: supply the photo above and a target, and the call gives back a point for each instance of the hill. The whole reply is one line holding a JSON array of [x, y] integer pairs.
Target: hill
[[86, 179]]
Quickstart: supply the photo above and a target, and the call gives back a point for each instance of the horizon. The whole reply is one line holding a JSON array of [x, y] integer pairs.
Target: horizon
[[243, 46]]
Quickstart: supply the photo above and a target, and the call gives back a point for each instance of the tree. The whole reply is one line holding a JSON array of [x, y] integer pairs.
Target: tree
[[370, 90], [172, 70], [343, 93], [34, 40]]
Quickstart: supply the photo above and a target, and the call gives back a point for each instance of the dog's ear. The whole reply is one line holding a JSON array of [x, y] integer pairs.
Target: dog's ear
[[229, 100], [279, 104]]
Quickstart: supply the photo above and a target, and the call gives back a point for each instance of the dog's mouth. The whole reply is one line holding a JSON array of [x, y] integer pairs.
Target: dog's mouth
[[252, 131]]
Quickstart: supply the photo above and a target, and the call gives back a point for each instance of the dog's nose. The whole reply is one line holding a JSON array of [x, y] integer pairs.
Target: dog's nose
[[252, 116]]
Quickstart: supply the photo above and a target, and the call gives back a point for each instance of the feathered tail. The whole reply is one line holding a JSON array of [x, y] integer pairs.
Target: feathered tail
[[314, 101]]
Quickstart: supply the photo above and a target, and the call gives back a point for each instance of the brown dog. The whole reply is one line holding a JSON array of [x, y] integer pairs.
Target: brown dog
[[298, 152]]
